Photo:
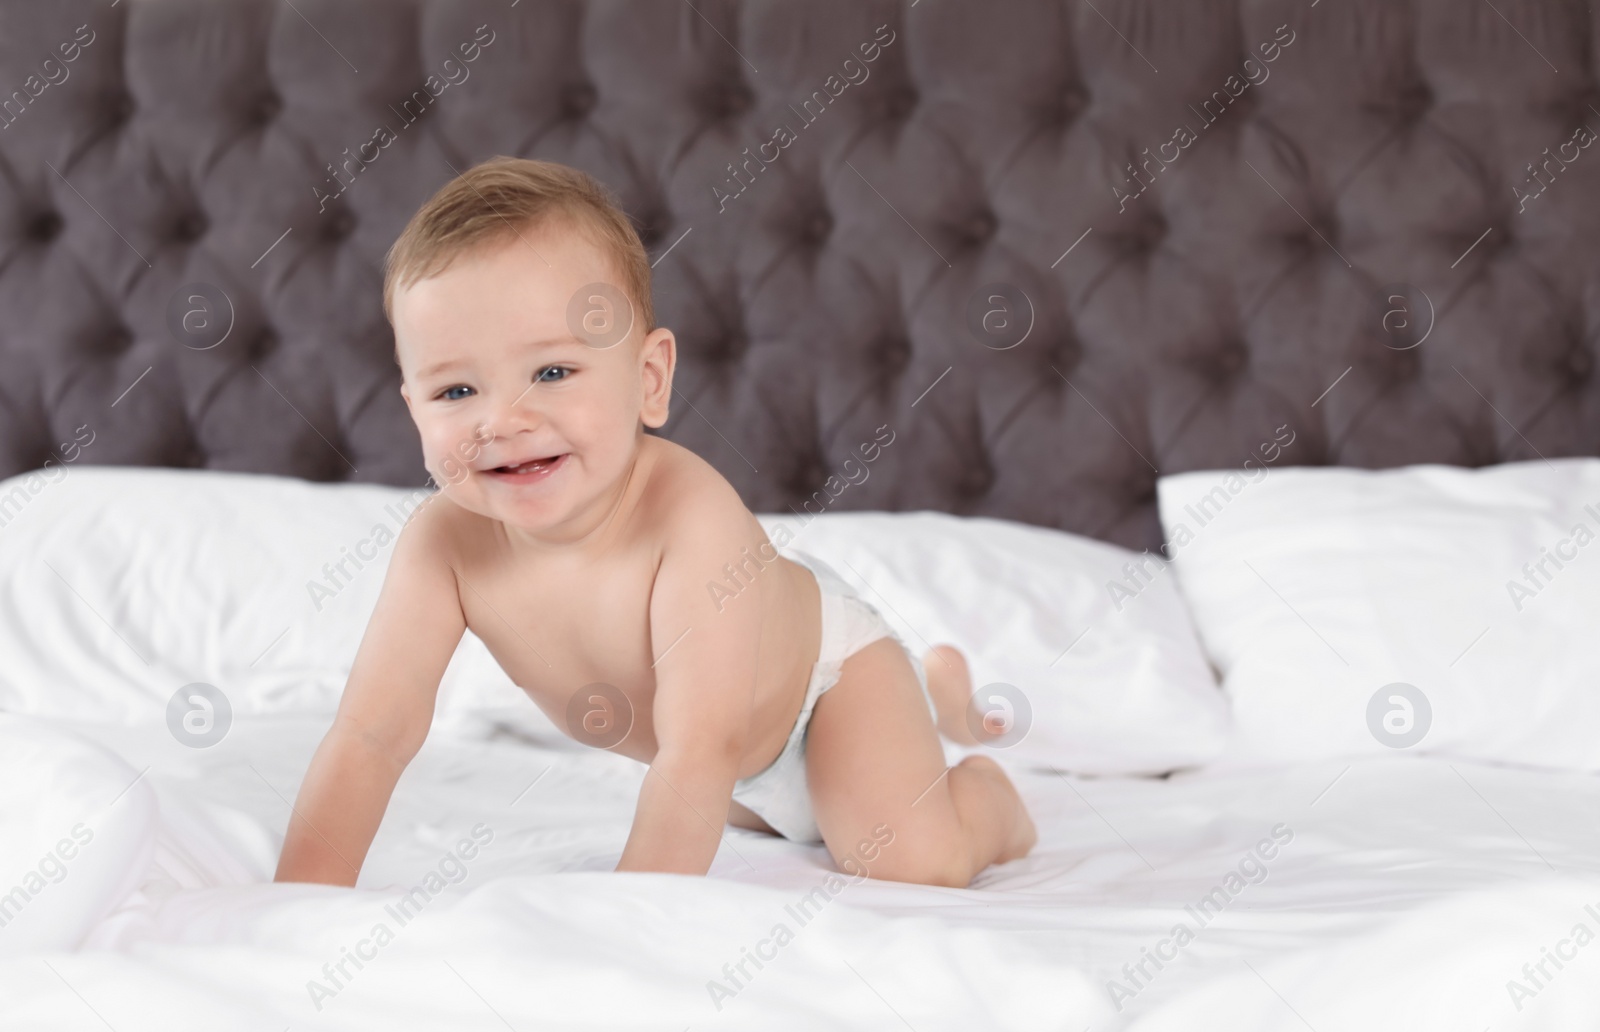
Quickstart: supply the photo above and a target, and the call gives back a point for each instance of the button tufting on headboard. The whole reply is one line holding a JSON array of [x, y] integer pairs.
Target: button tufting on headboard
[[1579, 363], [897, 104], [895, 354], [119, 107], [266, 341], [267, 107], [992, 258], [339, 225], [978, 227], [1071, 101], [580, 99], [1230, 359], [816, 227], [728, 100], [190, 227], [44, 226]]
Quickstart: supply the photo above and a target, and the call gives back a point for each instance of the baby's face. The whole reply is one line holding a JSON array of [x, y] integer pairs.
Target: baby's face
[[522, 420]]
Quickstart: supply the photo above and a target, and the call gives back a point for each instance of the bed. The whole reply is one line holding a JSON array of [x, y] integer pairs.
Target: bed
[[1235, 361], [1402, 880]]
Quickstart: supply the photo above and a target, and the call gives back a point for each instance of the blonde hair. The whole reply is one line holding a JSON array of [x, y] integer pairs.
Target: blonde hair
[[502, 196]]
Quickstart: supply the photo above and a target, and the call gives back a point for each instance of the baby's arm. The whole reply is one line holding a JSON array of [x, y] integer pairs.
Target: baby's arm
[[383, 716], [705, 684]]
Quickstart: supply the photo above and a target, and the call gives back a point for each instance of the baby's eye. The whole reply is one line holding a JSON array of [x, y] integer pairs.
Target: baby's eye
[[448, 394], [546, 377]]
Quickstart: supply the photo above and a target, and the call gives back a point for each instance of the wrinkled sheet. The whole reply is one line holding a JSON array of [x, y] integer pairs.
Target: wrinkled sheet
[[1399, 893]]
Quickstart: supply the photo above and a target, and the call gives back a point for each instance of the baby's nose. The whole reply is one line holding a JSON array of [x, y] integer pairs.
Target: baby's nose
[[514, 412]]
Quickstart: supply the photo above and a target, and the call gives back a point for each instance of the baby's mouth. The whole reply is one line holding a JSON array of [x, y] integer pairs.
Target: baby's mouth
[[533, 469]]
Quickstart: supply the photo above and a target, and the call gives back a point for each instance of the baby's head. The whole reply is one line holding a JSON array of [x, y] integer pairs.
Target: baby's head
[[520, 300]]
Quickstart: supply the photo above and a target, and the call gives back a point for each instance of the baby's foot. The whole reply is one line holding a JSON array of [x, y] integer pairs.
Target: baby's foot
[[950, 684], [1023, 835]]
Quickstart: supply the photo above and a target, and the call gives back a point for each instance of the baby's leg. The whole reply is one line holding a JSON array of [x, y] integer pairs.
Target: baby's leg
[[950, 684], [873, 758]]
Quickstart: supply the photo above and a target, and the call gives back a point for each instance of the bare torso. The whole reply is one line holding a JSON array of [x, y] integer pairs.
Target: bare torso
[[560, 621]]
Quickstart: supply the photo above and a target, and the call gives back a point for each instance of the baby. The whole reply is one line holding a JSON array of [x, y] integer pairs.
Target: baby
[[590, 556]]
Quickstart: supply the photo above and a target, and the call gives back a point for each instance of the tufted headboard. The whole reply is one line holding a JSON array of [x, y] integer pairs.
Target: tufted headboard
[[1028, 256]]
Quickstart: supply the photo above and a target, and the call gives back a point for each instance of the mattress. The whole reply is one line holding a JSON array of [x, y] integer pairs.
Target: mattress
[[1383, 889], [1405, 893]]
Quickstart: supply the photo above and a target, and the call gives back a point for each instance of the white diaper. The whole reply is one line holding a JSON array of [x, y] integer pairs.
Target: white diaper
[[779, 794]]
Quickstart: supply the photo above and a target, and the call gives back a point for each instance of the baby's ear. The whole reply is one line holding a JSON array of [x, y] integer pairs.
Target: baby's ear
[[658, 358]]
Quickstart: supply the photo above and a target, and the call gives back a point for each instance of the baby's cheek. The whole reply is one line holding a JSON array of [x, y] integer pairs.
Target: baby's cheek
[[444, 457], [445, 469]]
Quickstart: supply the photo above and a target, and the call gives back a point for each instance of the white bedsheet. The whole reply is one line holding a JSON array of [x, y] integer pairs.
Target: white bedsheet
[[1410, 894]]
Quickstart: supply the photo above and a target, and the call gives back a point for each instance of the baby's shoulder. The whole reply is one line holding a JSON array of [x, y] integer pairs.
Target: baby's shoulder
[[687, 499], [683, 482], [439, 527]]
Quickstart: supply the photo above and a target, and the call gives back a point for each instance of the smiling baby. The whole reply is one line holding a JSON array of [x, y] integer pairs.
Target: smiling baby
[[582, 551]]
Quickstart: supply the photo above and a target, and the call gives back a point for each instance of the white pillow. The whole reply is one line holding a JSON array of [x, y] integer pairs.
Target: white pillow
[[1116, 684], [1318, 590], [119, 586], [169, 577]]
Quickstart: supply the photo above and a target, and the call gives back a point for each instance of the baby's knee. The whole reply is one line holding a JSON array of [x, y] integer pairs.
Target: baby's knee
[[944, 863]]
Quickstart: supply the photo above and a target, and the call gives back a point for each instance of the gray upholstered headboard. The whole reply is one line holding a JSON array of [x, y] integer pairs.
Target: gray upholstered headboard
[[1054, 247]]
